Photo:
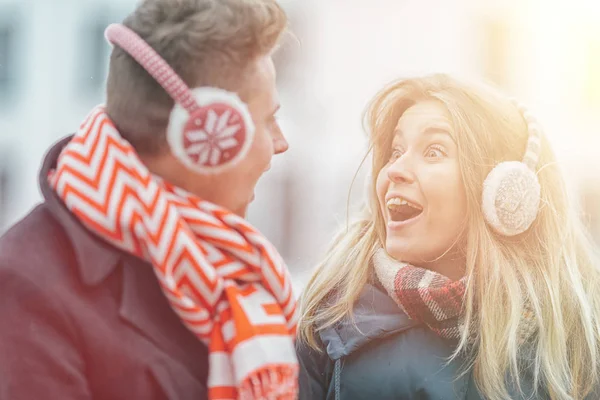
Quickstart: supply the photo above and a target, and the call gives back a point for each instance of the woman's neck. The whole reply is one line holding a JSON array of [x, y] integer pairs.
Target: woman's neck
[[451, 266]]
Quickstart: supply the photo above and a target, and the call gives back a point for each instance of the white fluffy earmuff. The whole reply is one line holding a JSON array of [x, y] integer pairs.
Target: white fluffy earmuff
[[210, 129], [511, 191]]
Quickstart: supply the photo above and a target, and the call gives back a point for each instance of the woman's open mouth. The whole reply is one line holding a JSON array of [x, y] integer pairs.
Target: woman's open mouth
[[402, 211]]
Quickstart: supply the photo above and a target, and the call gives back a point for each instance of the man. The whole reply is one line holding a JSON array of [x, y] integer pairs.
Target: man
[[95, 303]]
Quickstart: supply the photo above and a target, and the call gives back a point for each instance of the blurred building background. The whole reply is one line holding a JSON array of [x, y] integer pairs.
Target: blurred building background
[[53, 63]]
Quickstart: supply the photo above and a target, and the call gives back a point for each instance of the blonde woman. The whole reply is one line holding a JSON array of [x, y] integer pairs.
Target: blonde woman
[[469, 276]]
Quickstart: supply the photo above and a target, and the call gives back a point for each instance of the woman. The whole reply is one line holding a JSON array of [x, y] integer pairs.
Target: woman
[[464, 281]]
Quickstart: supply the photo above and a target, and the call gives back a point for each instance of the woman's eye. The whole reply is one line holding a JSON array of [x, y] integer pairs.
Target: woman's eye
[[435, 152], [396, 154]]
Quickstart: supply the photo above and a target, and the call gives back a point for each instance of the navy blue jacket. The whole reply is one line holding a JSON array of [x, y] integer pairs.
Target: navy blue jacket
[[385, 355]]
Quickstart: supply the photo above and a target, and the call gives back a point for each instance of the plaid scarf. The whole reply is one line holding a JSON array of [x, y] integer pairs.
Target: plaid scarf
[[432, 298], [226, 282], [425, 296]]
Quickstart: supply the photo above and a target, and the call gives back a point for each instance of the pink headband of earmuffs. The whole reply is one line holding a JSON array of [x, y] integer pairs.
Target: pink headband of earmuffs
[[209, 129]]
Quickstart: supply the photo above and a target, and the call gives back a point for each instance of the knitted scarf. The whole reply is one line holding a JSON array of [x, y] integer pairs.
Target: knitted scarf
[[225, 281], [431, 298]]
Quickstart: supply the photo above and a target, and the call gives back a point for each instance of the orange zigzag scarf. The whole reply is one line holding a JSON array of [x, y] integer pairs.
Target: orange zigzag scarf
[[224, 279]]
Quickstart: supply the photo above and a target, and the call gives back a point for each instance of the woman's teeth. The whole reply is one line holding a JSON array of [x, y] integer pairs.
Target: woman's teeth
[[396, 202]]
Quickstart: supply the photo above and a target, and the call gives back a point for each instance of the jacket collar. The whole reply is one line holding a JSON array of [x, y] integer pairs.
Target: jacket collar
[[95, 258], [375, 316], [142, 303]]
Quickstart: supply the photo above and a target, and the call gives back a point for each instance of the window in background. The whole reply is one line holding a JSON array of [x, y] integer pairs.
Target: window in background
[[5, 54], [95, 52], [5, 188], [8, 54]]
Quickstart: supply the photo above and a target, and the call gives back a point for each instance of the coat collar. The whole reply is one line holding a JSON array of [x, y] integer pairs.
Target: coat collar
[[143, 306], [375, 316], [96, 259]]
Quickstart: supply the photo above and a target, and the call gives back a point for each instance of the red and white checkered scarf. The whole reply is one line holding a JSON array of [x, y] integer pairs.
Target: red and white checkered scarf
[[226, 282], [432, 298], [425, 296]]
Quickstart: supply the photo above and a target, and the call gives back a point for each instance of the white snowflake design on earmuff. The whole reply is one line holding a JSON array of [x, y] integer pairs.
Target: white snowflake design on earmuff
[[210, 129]]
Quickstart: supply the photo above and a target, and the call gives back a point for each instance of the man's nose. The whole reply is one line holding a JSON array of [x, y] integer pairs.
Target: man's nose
[[280, 144]]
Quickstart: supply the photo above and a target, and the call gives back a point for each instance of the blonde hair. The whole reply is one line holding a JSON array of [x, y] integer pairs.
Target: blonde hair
[[207, 42], [553, 267]]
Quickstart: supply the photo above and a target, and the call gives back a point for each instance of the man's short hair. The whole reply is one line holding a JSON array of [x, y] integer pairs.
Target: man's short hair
[[207, 42]]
